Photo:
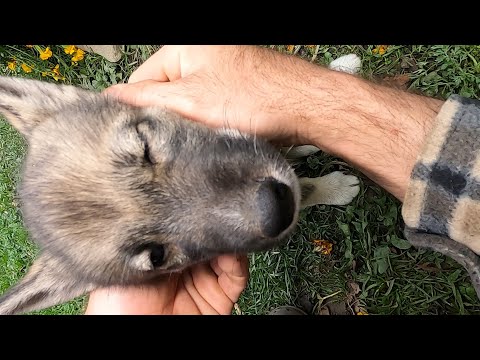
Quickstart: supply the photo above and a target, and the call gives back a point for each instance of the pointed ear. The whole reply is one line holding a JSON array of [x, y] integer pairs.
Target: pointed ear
[[27, 102], [44, 285]]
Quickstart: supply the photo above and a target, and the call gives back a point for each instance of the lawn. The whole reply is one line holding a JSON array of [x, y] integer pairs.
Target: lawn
[[363, 264]]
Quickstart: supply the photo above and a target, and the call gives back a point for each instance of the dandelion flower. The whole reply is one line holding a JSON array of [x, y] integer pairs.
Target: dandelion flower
[[46, 54], [290, 48], [380, 49], [12, 65], [78, 55], [26, 68], [70, 49]]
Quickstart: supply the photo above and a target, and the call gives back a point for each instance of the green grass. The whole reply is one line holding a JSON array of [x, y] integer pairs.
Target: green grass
[[369, 250]]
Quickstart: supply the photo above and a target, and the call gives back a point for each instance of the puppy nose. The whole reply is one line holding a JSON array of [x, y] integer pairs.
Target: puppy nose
[[276, 205]]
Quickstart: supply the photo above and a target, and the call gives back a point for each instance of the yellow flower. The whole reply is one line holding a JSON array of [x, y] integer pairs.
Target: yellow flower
[[362, 313], [56, 73], [26, 68], [78, 55], [46, 54], [290, 48], [380, 49], [323, 246], [12, 65], [44, 73], [70, 49]]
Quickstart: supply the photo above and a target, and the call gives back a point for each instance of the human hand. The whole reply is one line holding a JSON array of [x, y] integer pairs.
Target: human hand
[[204, 289], [249, 88]]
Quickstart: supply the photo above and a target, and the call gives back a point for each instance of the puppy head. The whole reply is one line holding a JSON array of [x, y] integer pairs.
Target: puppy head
[[117, 195]]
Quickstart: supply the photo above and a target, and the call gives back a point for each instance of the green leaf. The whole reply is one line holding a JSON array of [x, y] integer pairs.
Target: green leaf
[[381, 255], [400, 243], [344, 227], [454, 276]]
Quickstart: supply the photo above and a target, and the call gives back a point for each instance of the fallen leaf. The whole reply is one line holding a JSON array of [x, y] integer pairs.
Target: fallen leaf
[[397, 81], [351, 297], [237, 309], [337, 308], [429, 267], [409, 64], [323, 246], [324, 311]]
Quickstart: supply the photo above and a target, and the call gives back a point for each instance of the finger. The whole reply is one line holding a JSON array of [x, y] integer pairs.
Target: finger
[[206, 283], [163, 66], [233, 275], [202, 304], [184, 304], [152, 93], [233, 265]]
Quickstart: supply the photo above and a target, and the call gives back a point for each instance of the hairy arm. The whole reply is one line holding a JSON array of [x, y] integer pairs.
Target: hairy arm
[[281, 97], [377, 129]]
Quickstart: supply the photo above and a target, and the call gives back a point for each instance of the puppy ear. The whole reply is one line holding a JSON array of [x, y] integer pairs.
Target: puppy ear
[[27, 102], [46, 284]]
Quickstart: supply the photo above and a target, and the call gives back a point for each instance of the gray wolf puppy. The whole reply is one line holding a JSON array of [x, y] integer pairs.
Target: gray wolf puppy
[[116, 195]]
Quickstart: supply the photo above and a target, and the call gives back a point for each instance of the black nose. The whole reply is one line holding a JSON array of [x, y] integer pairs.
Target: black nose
[[276, 205]]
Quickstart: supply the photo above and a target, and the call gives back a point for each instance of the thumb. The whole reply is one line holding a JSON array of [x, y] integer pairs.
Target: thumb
[[172, 95]]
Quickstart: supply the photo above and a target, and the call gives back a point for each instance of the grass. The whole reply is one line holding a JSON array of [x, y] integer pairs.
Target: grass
[[371, 268]]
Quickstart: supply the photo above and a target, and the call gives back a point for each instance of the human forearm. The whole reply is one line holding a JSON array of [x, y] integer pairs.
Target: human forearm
[[377, 129]]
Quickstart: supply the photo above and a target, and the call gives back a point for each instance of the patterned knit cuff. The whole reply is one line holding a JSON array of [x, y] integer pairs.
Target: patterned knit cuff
[[441, 208], [443, 196]]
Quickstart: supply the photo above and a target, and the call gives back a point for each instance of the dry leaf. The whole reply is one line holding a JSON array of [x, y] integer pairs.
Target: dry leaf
[[397, 81], [323, 246], [337, 308], [237, 309], [351, 297], [429, 267], [409, 64], [324, 311]]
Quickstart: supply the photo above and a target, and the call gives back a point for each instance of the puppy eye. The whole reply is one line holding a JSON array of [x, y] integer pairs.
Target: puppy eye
[[148, 257], [157, 255]]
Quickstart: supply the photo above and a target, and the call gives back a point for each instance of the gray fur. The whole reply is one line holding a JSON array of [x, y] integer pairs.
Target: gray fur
[[105, 185]]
